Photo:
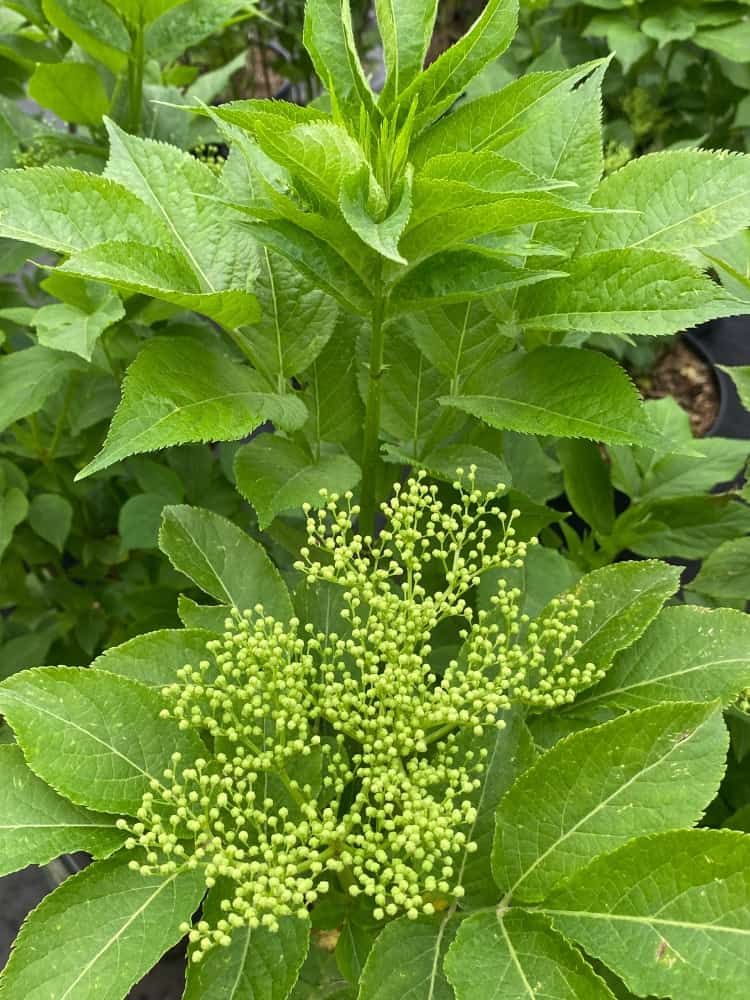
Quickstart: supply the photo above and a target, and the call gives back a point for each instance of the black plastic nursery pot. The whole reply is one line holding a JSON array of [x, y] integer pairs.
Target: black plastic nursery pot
[[725, 342]]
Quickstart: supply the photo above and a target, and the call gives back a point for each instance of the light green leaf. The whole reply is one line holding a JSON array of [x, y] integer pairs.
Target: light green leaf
[[504, 213], [618, 603], [510, 751], [183, 192], [384, 235], [37, 825], [406, 30], [670, 914], [13, 510], [336, 408], [725, 574], [683, 527], [257, 965], [276, 475], [94, 737], [491, 121], [329, 39], [51, 515], [66, 327], [67, 210], [93, 25], [143, 11], [458, 339], [562, 139], [647, 475], [676, 200], [163, 274], [155, 657], [459, 276], [588, 485], [73, 91], [102, 930], [139, 519], [491, 471], [517, 956], [687, 653], [444, 80], [624, 38], [180, 390], [564, 391], [223, 561], [297, 319], [731, 41], [630, 291], [209, 617], [643, 773], [741, 378], [317, 261], [406, 961], [188, 23]]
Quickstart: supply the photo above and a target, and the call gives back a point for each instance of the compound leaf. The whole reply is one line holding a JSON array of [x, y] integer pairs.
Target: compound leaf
[[406, 961]]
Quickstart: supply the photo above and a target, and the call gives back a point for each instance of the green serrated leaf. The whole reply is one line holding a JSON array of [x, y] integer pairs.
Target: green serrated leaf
[[222, 560], [28, 378], [179, 390], [588, 485], [258, 964], [66, 327], [182, 192], [406, 961], [297, 319], [102, 930], [381, 235], [741, 377], [670, 914], [510, 751], [618, 603], [155, 657], [38, 824], [94, 737], [51, 515], [93, 25], [675, 201], [406, 30], [444, 80], [632, 292], [211, 617], [517, 956], [73, 91], [551, 391], [13, 510], [687, 653], [683, 527], [68, 210], [725, 574], [642, 773], [276, 475], [490, 121]]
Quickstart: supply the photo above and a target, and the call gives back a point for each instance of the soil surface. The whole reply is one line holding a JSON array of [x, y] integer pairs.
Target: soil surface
[[681, 373]]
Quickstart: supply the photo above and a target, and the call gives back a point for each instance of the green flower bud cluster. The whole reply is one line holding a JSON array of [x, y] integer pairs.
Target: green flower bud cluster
[[337, 756]]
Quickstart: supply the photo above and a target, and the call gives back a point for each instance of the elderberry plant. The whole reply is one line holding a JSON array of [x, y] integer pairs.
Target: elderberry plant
[[405, 778], [398, 280]]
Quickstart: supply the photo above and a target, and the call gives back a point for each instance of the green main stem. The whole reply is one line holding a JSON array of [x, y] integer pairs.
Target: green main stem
[[135, 78], [371, 447]]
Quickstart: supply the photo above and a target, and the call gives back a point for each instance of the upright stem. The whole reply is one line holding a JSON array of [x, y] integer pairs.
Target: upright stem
[[135, 78], [371, 449]]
